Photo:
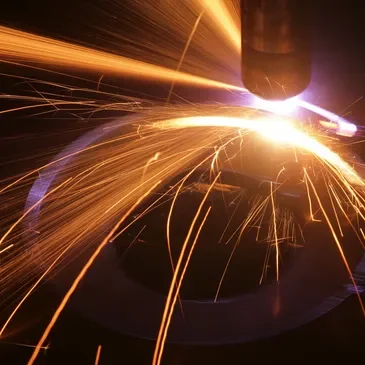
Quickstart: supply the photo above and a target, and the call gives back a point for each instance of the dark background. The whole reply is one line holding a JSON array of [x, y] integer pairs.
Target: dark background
[[338, 80]]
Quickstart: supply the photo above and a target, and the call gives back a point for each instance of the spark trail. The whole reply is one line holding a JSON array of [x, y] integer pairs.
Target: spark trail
[[74, 215], [225, 16], [82, 274], [30, 48]]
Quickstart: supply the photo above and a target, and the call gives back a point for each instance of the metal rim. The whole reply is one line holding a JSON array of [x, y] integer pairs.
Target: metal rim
[[128, 308]]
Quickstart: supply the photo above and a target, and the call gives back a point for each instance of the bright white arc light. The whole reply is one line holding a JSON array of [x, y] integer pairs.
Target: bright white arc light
[[285, 107], [340, 126], [276, 130]]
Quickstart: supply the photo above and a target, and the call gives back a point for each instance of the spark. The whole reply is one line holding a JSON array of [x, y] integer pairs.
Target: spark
[[222, 15], [342, 126], [275, 130], [310, 201], [171, 300], [186, 138], [275, 230], [15, 44], [161, 134], [97, 358], [168, 223], [82, 273], [335, 237], [150, 162], [36, 284], [25, 345], [195, 27], [3, 238], [251, 216], [4, 250]]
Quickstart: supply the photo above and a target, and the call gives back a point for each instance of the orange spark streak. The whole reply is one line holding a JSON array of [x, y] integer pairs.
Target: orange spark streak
[[42, 105], [310, 201], [334, 210], [275, 231], [4, 250], [219, 11], [362, 233], [168, 223], [78, 152], [195, 27], [181, 280], [148, 209], [334, 235], [24, 345], [242, 228], [160, 343], [347, 217], [231, 218], [277, 131], [30, 291], [82, 273], [97, 358], [150, 162], [25, 46], [3, 238]]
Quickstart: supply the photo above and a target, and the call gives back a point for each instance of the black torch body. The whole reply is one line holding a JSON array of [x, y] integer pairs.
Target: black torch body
[[276, 47]]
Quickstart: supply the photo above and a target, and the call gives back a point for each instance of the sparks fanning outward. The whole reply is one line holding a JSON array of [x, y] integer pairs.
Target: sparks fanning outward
[[96, 193], [109, 177]]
